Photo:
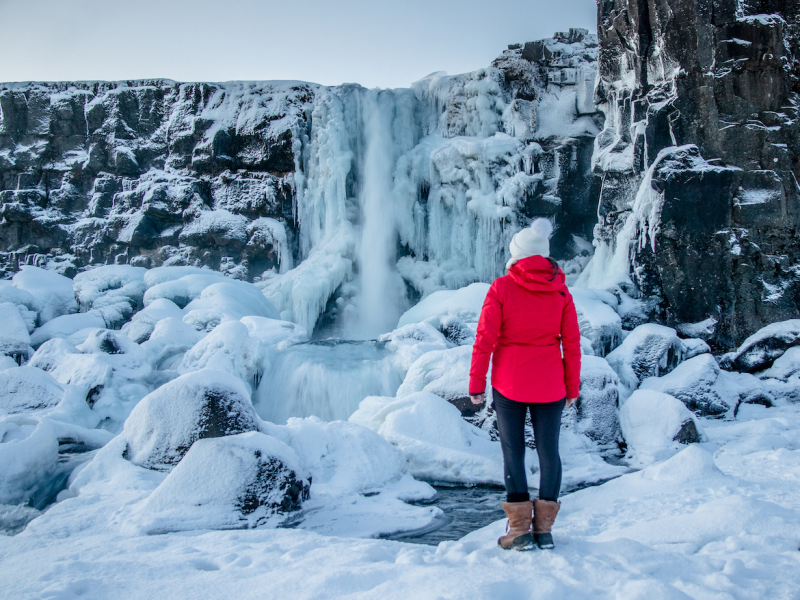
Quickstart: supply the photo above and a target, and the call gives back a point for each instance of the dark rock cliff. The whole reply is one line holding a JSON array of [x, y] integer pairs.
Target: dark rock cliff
[[130, 172], [700, 159]]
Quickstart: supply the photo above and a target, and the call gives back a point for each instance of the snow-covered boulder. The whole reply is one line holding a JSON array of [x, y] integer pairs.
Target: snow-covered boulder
[[228, 348], [707, 390], [760, 350], [204, 404], [28, 459], [596, 408], [141, 326], [28, 389], [786, 367], [694, 347], [782, 379], [24, 301], [465, 303], [654, 423], [411, 341], [598, 319], [14, 338], [115, 291], [67, 325], [649, 350], [181, 285], [274, 332], [239, 481], [53, 292], [6, 362], [442, 372], [342, 457], [227, 301], [454, 330], [113, 371], [438, 444]]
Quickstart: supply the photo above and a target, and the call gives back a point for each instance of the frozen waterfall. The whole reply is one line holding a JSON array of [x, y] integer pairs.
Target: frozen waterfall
[[417, 187]]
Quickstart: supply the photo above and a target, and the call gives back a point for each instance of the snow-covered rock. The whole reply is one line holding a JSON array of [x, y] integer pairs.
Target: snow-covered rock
[[707, 390], [144, 321], [649, 350], [6, 362], [465, 303], [438, 444], [205, 404], [343, 458], [115, 291], [654, 424], [24, 301], [596, 407], [227, 301], [693, 347], [411, 341], [273, 332], [66, 325], [238, 481], [598, 319], [761, 349], [14, 338], [28, 458], [53, 292], [785, 367], [28, 389], [228, 348], [441, 372]]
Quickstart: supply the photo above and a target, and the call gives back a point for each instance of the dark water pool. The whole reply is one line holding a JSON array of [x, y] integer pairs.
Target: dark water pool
[[465, 509]]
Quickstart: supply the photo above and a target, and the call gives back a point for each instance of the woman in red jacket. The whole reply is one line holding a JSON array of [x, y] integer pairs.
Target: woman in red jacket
[[529, 326]]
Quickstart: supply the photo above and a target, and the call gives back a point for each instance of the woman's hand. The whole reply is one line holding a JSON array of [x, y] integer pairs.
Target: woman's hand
[[570, 401], [478, 398]]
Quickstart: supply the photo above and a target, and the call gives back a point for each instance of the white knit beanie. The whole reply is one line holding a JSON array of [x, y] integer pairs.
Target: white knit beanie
[[531, 241]]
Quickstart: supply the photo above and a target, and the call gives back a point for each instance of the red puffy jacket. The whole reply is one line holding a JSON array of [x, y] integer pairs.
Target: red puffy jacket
[[525, 322]]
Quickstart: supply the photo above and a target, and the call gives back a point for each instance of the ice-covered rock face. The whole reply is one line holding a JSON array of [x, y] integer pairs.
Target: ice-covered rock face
[[204, 404], [699, 157], [238, 481]]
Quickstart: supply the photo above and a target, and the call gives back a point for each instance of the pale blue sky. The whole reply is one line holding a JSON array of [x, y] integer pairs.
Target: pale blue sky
[[385, 44]]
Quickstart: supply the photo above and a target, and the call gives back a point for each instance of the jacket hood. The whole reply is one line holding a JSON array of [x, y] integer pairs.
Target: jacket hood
[[534, 273]]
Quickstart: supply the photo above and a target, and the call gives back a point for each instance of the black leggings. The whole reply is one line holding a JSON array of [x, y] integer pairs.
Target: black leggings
[[546, 419]]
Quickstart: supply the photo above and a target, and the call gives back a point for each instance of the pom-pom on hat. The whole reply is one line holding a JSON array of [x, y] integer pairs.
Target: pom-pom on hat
[[531, 241]]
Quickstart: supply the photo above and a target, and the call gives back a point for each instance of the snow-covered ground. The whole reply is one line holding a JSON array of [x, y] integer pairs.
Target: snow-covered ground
[[178, 439], [717, 520]]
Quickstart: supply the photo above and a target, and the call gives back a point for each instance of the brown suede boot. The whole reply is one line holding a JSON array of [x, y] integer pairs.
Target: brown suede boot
[[544, 515], [518, 535]]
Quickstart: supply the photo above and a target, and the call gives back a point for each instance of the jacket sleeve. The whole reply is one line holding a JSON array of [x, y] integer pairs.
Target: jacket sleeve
[[571, 345], [485, 340]]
